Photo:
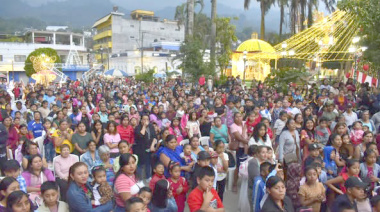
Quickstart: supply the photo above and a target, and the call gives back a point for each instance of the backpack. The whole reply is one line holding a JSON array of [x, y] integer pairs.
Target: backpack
[[231, 160]]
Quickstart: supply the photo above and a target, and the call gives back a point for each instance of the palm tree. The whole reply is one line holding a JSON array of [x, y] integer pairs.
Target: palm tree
[[282, 4], [310, 5], [264, 7], [190, 18], [213, 32], [293, 15], [330, 5]]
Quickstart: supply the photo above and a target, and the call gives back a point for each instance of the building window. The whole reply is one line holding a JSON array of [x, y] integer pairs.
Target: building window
[[20, 58], [132, 37], [132, 26], [177, 29], [162, 28], [162, 39], [1, 58], [177, 40]]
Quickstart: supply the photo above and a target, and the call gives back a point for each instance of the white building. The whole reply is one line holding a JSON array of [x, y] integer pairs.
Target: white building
[[129, 44], [14, 54]]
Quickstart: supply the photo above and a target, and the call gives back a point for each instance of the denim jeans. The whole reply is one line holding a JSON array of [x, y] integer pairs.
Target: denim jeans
[[144, 159], [49, 152], [119, 209]]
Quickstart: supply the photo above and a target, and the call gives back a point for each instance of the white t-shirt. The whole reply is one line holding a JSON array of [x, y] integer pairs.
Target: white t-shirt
[[350, 118], [221, 175]]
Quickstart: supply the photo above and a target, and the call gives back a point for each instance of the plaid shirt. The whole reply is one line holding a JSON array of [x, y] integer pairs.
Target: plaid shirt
[[22, 183]]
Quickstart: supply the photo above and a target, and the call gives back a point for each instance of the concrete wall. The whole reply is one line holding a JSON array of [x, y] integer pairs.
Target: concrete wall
[[126, 33]]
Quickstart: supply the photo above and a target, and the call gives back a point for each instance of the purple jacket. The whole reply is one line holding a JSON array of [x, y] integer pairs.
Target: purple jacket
[[28, 176]]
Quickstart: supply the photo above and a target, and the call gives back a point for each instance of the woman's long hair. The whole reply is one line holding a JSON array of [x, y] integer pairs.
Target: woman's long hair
[[14, 198], [160, 194], [124, 160], [73, 169], [310, 133], [4, 184], [256, 130], [30, 161]]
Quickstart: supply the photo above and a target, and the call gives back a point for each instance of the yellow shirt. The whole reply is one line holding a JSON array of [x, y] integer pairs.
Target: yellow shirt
[[58, 134]]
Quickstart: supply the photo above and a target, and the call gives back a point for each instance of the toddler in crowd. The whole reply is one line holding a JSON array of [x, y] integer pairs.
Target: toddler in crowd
[[48, 142], [178, 186], [101, 189], [145, 194], [356, 134], [187, 156], [135, 204], [213, 164], [165, 121], [322, 132], [158, 170]]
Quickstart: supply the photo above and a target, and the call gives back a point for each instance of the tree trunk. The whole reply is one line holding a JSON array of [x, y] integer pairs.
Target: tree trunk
[[303, 8], [190, 18], [310, 13], [262, 28], [213, 34], [282, 13]]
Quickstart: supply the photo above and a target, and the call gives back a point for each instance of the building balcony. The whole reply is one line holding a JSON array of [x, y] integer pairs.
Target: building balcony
[[103, 45], [104, 34]]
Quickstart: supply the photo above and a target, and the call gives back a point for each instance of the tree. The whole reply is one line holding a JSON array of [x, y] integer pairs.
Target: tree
[[29, 69], [146, 77], [225, 37], [281, 78], [282, 4], [192, 58], [265, 5], [190, 18], [367, 15]]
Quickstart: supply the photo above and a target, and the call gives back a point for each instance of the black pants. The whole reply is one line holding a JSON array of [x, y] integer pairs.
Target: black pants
[[220, 186], [3, 155], [63, 186]]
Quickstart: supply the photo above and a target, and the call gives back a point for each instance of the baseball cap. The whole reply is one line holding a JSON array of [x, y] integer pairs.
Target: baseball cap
[[203, 155], [355, 182], [312, 147], [214, 155]]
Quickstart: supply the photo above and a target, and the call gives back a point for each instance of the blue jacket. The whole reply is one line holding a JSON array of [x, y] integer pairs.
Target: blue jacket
[[79, 202], [257, 193]]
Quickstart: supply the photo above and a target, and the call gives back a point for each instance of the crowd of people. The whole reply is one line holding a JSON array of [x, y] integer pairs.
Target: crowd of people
[[125, 145]]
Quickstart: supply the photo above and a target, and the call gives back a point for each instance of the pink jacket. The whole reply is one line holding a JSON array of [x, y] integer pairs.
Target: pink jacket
[[28, 176]]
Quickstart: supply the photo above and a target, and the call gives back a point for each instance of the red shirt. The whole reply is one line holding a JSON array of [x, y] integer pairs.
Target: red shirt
[[195, 200], [126, 133], [154, 180]]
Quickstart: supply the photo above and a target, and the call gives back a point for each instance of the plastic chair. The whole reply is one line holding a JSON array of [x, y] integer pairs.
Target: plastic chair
[[184, 141], [205, 140], [40, 143], [81, 157]]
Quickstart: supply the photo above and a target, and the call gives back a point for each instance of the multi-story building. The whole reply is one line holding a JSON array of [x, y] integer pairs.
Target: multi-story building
[[14, 54], [130, 44]]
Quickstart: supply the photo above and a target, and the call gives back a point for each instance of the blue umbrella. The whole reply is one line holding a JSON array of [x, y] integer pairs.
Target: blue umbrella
[[116, 73]]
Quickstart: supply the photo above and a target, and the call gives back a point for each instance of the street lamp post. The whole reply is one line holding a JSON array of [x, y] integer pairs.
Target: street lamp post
[[245, 61], [101, 54]]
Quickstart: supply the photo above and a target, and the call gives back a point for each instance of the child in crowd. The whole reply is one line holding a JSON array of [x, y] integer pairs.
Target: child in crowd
[[176, 129], [314, 151], [178, 186], [145, 194], [101, 189], [352, 170], [50, 196], [206, 148], [347, 149], [187, 156], [11, 168], [312, 193], [203, 161], [322, 132], [48, 142], [265, 113], [158, 171], [204, 197], [270, 157], [164, 121], [135, 204], [123, 148], [162, 198], [329, 160], [279, 125], [222, 167], [259, 186], [369, 169], [213, 164], [211, 115], [356, 134]]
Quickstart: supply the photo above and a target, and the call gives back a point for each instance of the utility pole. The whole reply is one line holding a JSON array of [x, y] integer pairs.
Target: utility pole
[[142, 51]]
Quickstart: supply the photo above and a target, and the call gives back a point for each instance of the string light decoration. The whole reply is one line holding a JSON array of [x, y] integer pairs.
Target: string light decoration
[[43, 65], [327, 40]]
